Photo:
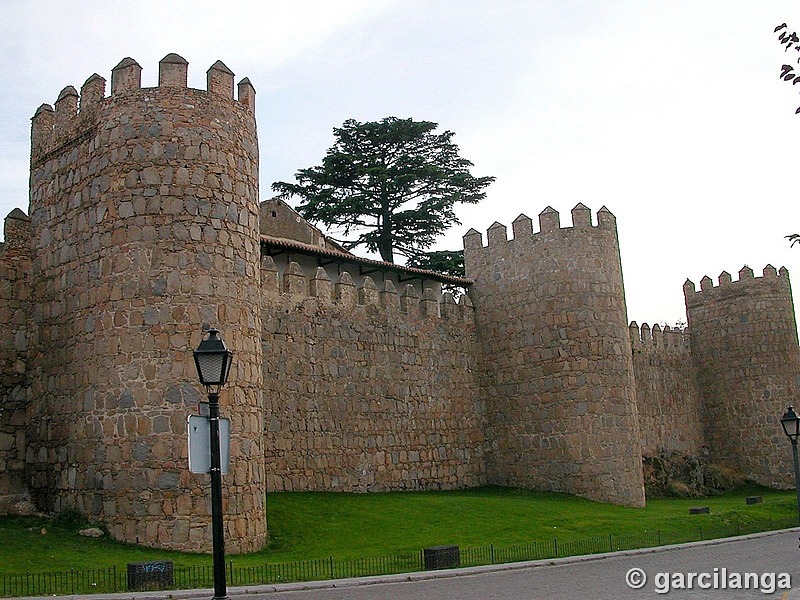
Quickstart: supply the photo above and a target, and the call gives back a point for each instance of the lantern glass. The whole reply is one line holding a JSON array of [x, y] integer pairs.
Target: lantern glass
[[791, 423], [213, 360]]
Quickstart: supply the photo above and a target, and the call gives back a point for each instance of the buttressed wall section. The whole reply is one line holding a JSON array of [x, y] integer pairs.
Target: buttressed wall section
[[368, 389], [144, 211], [744, 341], [668, 398], [556, 361], [15, 352]]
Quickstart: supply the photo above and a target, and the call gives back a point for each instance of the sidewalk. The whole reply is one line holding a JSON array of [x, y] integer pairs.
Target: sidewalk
[[244, 591]]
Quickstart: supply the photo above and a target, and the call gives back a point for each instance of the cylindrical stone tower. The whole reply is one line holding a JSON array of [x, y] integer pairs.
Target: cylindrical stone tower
[[744, 341], [557, 373], [144, 209]]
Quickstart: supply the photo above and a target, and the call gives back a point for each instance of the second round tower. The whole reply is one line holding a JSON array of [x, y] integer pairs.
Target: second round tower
[[557, 368]]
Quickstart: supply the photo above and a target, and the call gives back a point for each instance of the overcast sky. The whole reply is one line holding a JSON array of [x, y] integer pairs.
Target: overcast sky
[[668, 112]]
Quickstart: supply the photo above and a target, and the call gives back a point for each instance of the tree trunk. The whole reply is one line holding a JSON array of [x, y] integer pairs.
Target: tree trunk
[[385, 236], [385, 248]]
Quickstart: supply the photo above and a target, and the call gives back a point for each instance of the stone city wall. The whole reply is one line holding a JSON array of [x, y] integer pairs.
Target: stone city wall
[[556, 366], [144, 231], [745, 346], [667, 394], [367, 389], [144, 210]]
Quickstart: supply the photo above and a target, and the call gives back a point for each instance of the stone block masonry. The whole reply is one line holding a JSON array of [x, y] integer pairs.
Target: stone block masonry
[[368, 390], [349, 374]]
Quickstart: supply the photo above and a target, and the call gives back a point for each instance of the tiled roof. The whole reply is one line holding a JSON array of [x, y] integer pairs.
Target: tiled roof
[[311, 250]]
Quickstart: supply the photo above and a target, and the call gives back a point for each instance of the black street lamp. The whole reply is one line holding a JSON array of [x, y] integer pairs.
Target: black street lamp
[[213, 361], [791, 427]]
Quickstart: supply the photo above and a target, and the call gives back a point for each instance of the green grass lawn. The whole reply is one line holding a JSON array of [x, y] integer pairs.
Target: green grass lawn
[[318, 525], [306, 525]]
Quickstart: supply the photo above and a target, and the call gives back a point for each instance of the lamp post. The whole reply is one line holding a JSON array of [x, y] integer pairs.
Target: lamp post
[[791, 427], [213, 361]]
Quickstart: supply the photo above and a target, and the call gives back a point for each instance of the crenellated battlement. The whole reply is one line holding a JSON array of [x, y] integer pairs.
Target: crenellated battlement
[[656, 338], [73, 117], [345, 293], [549, 224], [746, 277]]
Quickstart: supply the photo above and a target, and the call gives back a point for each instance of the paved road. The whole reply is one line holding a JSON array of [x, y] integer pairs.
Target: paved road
[[596, 579]]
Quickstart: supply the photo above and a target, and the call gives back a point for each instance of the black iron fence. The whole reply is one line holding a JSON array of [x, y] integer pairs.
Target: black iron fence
[[112, 579]]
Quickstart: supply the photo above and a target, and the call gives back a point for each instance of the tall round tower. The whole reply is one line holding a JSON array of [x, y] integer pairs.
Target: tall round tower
[[744, 341], [144, 210], [557, 373]]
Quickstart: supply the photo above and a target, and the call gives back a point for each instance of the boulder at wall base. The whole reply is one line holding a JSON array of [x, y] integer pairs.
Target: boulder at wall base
[[670, 474], [92, 532]]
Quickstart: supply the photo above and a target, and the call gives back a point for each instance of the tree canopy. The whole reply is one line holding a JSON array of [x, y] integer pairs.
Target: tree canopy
[[790, 41], [388, 185]]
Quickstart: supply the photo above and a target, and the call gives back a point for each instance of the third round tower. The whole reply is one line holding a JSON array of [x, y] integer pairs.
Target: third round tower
[[744, 341]]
